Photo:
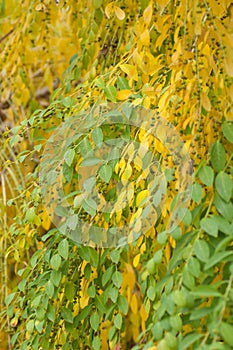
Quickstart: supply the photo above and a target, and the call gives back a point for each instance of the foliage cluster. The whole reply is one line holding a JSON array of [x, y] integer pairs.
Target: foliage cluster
[[165, 290]]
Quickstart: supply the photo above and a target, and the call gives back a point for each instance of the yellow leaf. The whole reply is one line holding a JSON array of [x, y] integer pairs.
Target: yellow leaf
[[120, 166], [147, 14], [146, 102], [137, 102], [141, 197], [205, 101], [108, 9], [123, 94], [136, 215], [130, 70], [137, 226], [138, 163], [229, 66], [118, 216], [130, 193], [134, 304], [167, 252], [161, 39], [143, 313], [145, 38], [127, 173], [119, 13], [136, 260], [143, 248]]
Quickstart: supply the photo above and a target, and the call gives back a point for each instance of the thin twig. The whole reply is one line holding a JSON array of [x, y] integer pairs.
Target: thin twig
[[6, 35]]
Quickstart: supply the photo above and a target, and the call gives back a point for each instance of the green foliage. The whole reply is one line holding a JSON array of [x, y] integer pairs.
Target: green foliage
[[166, 290]]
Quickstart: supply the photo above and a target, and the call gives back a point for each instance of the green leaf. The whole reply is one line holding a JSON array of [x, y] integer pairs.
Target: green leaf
[[205, 291], [100, 304], [30, 214], [85, 147], [188, 340], [55, 262], [100, 81], [72, 223], [96, 343], [197, 193], [201, 249], [55, 277], [69, 156], [216, 258], [225, 209], [117, 279], [49, 289], [36, 301], [63, 249], [224, 186], [107, 275], [222, 224], [118, 321], [179, 298], [30, 326], [51, 312], [151, 293], [97, 4], [9, 298], [91, 291], [226, 331], [122, 83], [97, 136], [194, 267], [87, 271], [227, 129], [111, 93], [176, 322], [123, 304], [69, 291], [200, 313], [61, 211], [105, 172], [218, 156], [84, 252], [83, 314], [94, 257], [91, 161], [67, 314], [157, 258], [95, 321], [114, 294], [89, 183], [90, 206], [209, 226], [206, 175], [67, 172], [115, 255]]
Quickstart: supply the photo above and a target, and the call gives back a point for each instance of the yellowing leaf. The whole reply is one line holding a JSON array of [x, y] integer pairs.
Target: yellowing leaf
[[123, 94], [147, 14], [141, 197], [130, 70], [134, 304], [145, 38], [205, 101], [119, 13], [146, 102], [136, 260], [127, 173], [229, 66], [108, 10], [143, 313]]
